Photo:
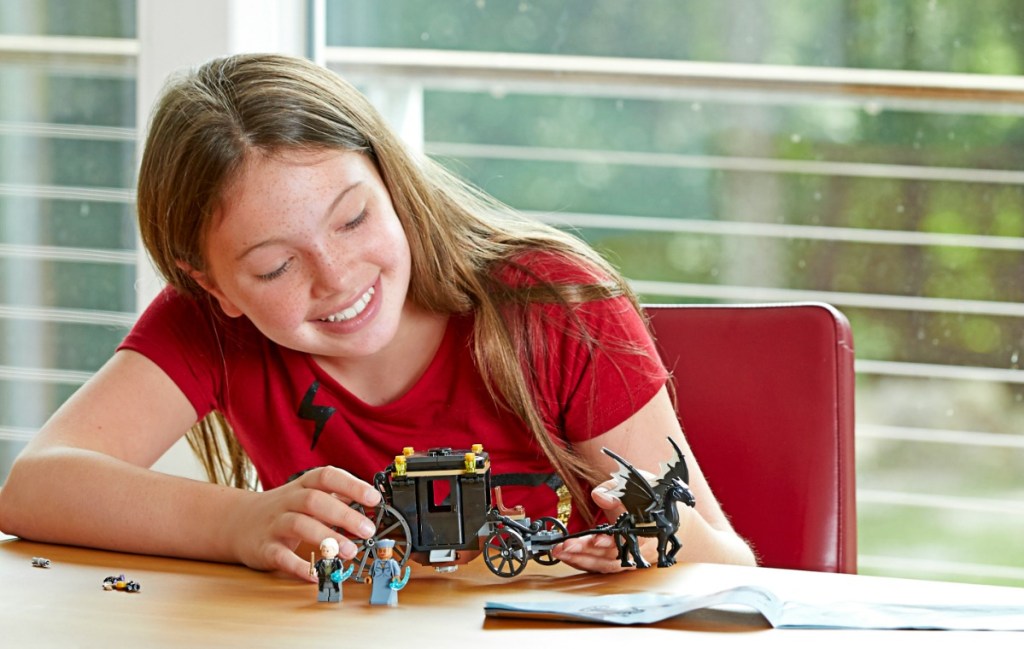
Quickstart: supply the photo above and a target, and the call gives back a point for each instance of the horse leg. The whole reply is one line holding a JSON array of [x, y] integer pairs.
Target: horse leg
[[676, 545], [623, 550], [664, 560], [634, 547]]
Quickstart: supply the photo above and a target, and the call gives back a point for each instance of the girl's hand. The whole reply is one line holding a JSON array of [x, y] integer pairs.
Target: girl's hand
[[268, 526], [597, 552]]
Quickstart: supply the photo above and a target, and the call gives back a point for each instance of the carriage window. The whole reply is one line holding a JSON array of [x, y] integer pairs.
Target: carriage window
[[439, 494]]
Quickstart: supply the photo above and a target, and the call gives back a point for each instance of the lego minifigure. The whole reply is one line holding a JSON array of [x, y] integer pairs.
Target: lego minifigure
[[330, 572], [385, 576], [40, 562]]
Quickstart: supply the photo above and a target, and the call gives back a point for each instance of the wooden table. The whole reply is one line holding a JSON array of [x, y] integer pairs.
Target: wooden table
[[195, 604]]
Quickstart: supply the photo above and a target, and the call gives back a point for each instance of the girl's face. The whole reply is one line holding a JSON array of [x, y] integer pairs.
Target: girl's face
[[307, 245]]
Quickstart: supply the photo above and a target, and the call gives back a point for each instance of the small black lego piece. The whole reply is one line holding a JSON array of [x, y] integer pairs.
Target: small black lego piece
[[121, 583]]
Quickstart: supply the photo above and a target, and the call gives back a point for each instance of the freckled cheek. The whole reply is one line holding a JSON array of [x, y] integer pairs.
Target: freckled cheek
[[393, 251], [284, 313], [392, 258]]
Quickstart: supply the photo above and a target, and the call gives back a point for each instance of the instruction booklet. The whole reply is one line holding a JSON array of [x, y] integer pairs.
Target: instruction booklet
[[647, 608]]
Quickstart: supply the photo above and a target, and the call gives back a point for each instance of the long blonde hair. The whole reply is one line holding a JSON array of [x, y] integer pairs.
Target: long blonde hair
[[208, 121]]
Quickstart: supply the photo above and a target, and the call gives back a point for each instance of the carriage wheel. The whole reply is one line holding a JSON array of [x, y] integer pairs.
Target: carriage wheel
[[505, 552], [390, 525], [549, 524]]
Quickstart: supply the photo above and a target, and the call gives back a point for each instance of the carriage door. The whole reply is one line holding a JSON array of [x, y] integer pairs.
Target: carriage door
[[440, 505]]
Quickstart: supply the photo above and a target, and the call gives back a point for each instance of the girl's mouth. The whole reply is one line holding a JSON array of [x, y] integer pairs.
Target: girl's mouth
[[352, 311]]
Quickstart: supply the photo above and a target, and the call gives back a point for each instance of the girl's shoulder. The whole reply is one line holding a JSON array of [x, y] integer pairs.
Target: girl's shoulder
[[543, 266], [173, 317], [171, 303]]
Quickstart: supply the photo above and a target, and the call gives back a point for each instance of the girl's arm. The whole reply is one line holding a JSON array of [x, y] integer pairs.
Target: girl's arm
[[84, 480], [704, 531]]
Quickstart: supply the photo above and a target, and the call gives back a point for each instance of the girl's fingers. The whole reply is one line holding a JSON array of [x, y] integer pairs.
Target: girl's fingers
[[325, 495], [291, 564], [598, 553], [603, 541], [341, 483], [603, 498], [588, 559], [312, 531], [593, 564], [351, 521], [593, 544]]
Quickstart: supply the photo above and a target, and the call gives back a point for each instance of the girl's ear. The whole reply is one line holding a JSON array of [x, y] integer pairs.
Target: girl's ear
[[204, 280]]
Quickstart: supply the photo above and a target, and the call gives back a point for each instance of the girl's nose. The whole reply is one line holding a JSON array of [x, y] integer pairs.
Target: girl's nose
[[328, 274]]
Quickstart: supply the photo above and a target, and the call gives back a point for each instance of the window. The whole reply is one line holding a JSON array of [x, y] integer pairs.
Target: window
[[71, 79], [440, 492], [67, 232], [866, 154]]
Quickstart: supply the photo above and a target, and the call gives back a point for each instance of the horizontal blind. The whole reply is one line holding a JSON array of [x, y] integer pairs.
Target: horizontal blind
[[67, 254], [729, 230]]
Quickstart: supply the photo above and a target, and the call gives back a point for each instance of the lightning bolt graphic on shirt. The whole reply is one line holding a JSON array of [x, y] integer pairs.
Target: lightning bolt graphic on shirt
[[318, 414]]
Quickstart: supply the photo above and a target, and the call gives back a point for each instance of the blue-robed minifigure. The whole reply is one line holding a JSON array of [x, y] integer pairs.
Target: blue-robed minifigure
[[386, 576], [330, 572]]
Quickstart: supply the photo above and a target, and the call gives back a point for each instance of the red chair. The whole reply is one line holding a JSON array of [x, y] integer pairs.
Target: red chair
[[765, 396]]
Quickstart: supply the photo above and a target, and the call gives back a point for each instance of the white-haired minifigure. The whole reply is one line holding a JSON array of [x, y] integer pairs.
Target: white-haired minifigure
[[330, 572]]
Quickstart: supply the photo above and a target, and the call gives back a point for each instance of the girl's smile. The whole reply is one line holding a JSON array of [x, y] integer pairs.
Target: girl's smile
[[353, 317], [352, 311]]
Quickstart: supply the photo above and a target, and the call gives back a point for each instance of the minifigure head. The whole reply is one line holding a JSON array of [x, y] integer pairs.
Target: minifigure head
[[328, 548], [385, 549]]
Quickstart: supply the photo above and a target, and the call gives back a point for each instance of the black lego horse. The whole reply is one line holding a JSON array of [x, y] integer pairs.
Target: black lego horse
[[650, 509]]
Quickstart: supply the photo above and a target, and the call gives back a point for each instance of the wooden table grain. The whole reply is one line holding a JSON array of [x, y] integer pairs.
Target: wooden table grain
[[196, 604]]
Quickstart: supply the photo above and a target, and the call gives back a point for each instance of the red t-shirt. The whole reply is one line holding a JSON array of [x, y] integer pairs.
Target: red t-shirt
[[226, 364]]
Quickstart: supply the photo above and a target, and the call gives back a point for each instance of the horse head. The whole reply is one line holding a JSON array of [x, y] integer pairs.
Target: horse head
[[678, 491]]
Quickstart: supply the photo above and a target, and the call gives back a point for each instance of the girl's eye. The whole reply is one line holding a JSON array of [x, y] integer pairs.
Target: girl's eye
[[356, 222], [274, 274]]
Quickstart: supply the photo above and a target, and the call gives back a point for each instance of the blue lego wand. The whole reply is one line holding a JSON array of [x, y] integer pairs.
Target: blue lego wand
[[338, 576], [395, 583]]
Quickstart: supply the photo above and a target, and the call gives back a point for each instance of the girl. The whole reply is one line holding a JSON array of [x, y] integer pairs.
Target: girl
[[331, 300]]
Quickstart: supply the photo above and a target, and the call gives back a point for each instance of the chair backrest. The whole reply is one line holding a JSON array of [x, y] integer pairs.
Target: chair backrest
[[765, 397]]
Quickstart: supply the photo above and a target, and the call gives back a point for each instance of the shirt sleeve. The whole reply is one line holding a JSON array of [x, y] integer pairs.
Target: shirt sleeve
[[605, 375], [594, 363], [179, 335]]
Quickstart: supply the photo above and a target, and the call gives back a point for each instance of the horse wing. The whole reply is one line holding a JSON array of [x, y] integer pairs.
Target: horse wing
[[672, 471], [632, 488]]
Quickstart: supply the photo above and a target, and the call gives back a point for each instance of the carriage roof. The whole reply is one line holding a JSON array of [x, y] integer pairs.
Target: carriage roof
[[440, 462]]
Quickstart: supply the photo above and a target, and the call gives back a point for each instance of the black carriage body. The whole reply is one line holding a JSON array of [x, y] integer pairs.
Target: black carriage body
[[445, 502]]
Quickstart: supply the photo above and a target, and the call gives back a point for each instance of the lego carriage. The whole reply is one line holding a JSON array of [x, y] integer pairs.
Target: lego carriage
[[441, 510]]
